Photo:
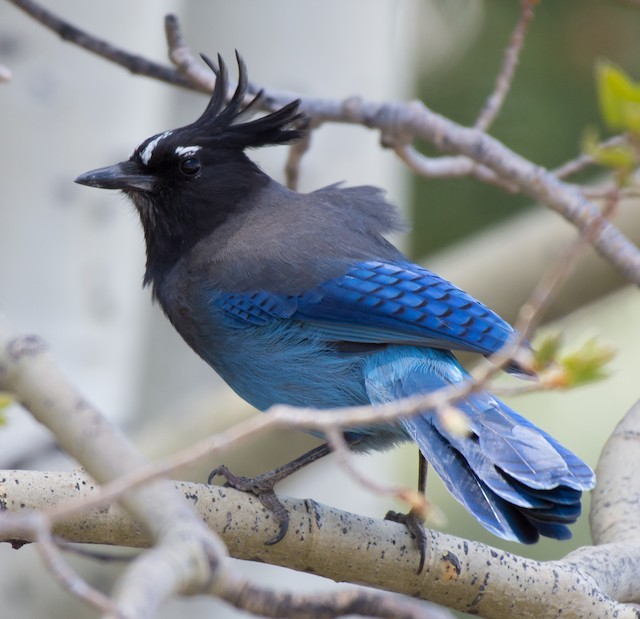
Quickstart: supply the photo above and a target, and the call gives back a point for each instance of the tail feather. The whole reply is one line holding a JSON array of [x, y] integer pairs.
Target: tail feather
[[563, 495], [554, 530], [490, 509], [514, 478], [556, 513]]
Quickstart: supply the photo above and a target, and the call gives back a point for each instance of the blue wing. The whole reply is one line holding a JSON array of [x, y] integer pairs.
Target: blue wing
[[380, 302]]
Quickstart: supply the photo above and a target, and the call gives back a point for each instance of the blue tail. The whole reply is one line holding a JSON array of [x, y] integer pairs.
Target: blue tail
[[517, 480]]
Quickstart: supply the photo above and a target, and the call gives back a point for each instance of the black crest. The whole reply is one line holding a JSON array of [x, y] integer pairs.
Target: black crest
[[224, 123]]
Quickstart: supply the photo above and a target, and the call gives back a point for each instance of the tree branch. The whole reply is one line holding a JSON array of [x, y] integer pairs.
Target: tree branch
[[186, 558], [583, 161], [511, 58], [27, 371], [464, 575], [399, 125], [448, 167], [615, 507], [134, 63]]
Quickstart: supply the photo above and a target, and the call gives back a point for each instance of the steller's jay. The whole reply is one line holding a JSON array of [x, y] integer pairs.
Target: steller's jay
[[299, 299]]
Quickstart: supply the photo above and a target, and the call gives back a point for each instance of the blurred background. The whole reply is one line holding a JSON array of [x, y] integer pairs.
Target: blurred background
[[72, 258]]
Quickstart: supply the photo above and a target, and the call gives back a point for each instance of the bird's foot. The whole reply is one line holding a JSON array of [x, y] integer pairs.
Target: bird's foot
[[415, 525], [262, 486]]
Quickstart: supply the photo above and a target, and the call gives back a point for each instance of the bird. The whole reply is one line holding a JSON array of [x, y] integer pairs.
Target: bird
[[300, 299]]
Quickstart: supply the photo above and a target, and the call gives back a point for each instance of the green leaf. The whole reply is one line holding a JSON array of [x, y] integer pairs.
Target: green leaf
[[619, 98], [587, 363], [559, 369], [623, 157], [546, 350]]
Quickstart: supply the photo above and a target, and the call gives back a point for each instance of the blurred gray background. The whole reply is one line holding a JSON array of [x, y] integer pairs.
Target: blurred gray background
[[72, 259]]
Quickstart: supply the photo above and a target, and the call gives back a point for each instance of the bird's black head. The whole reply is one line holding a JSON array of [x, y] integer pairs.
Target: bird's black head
[[187, 181]]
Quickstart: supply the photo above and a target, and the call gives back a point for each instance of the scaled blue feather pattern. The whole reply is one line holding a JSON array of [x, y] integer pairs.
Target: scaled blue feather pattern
[[383, 302]]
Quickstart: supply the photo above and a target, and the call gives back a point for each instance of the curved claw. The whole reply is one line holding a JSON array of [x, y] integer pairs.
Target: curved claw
[[221, 471], [262, 487], [415, 526], [280, 515]]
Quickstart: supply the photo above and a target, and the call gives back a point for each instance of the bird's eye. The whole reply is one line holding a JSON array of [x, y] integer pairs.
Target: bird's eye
[[190, 166]]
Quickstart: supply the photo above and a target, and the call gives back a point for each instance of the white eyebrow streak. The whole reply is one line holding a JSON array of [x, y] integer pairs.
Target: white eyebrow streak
[[187, 150], [147, 153]]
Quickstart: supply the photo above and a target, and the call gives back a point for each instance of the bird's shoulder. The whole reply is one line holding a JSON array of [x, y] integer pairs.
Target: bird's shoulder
[[287, 242]]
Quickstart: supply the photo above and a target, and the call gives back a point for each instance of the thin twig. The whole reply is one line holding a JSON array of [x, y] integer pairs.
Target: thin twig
[[604, 192], [296, 153], [134, 63], [190, 66], [539, 300], [544, 291], [509, 392], [584, 161], [449, 167], [511, 57], [339, 446], [186, 64], [67, 577]]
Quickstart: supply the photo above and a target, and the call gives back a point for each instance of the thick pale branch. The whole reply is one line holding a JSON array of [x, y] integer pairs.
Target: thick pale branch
[[464, 575], [615, 508], [27, 371]]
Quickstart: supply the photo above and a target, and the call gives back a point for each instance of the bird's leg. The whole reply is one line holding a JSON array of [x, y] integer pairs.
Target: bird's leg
[[423, 469], [413, 521], [262, 485]]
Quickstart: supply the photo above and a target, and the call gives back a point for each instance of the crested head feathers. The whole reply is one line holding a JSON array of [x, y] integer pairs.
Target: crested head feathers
[[220, 123]]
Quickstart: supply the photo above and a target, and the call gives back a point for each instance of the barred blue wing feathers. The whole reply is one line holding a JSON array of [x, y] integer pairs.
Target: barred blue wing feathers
[[382, 302]]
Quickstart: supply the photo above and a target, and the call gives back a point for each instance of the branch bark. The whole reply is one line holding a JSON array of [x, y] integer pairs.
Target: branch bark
[[464, 575], [28, 372]]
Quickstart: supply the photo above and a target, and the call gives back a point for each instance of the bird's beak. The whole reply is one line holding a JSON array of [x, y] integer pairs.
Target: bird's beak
[[125, 175]]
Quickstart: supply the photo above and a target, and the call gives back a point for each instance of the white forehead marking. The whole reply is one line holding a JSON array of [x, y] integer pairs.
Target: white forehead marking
[[146, 154], [186, 150]]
